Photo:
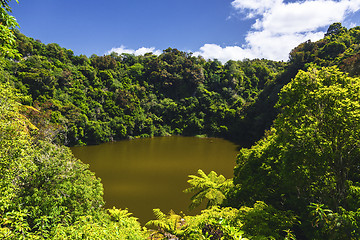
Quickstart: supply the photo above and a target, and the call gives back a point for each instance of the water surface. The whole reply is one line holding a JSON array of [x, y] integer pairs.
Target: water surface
[[149, 173]]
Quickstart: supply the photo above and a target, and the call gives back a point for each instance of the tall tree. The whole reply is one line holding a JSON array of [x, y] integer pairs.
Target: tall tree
[[312, 152], [7, 25]]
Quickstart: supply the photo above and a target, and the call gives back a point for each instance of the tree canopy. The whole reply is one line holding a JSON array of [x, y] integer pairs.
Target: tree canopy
[[311, 154], [301, 179]]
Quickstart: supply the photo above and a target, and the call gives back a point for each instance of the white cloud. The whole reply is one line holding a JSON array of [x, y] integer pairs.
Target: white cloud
[[213, 51], [280, 26], [254, 7], [137, 52], [264, 44], [304, 16]]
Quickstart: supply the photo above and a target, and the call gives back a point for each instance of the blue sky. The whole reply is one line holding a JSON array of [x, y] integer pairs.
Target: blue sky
[[222, 29]]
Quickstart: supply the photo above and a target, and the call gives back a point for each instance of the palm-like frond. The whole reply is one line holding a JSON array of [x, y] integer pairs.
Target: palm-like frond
[[170, 223], [160, 221], [159, 214], [118, 214], [211, 187]]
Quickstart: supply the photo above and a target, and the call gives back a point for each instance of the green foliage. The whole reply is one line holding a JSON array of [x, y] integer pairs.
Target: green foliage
[[15, 143], [214, 223], [264, 221], [211, 187], [260, 222], [116, 224], [305, 168], [124, 96], [342, 224], [46, 192], [7, 38], [166, 225], [335, 29], [339, 46], [320, 123], [60, 187], [310, 153]]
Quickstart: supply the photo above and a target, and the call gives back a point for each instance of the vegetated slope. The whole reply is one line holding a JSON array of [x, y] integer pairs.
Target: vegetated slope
[[46, 193], [295, 168], [103, 98], [308, 161], [340, 47]]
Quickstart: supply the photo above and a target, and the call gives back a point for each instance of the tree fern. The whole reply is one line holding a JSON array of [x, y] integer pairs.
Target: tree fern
[[166, 224], [211, 187]]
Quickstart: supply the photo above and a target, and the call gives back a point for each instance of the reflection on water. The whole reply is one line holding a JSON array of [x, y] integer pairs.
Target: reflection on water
[[149, 173]]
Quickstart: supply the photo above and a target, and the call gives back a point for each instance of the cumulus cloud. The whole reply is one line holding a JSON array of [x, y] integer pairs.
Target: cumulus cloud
[[305, 16], [254, 7], [213, 51], [264, 44], [280, 26], [137, 52]]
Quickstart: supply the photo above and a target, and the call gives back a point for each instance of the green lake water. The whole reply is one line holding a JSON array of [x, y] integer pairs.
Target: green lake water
[[148, 173]]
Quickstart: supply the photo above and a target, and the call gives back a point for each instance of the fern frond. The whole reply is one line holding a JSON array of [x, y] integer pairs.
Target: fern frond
[[158, 224], [159, 214], [211, 187]]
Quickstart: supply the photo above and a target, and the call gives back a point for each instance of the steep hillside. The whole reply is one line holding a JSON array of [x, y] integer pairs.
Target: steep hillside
[[339, 47], [300, 180], [103, 98]]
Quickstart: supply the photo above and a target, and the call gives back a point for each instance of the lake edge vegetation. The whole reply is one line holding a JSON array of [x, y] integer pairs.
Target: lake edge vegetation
[[297, 178]]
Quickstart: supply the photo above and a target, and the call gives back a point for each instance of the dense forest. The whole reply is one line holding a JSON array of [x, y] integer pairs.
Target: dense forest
[[105, 98], [297, 178]]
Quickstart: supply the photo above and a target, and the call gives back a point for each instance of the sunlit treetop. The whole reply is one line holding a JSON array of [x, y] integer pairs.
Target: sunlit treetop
[[7, 38]]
